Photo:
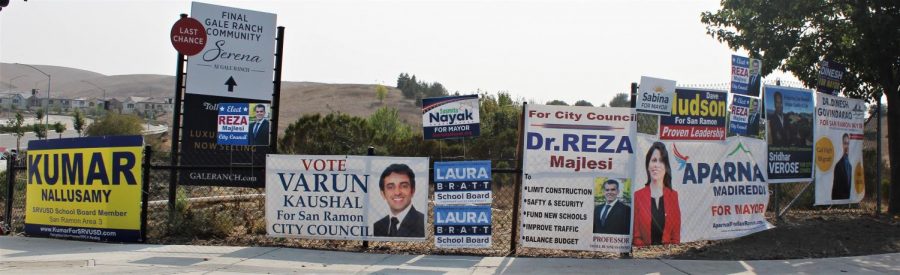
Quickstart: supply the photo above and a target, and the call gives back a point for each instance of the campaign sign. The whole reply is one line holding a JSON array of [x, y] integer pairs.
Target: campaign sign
[[830, 74], [450, 117], [233, 123], [462, 226], [838, 154], [740, 74], [199, 146], [789, 114], [85, 188], [567, 151], [655, 95], [705, 190], [239, 54], [347, 197], [742, 116], [462, 182], [696, 115]]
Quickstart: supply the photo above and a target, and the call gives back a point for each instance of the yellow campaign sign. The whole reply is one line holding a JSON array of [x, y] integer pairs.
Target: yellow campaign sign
[[85, 183]]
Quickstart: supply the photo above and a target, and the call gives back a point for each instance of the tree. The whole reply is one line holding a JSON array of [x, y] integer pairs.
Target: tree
[[40, 115], [18, 127], [387, 126], [59, 128], [40, 130], [333, 134], [795, 35], [402, 81], [557, 102], [381, 92], [78, 124], [583, 103], [113, 124], [620, 100]]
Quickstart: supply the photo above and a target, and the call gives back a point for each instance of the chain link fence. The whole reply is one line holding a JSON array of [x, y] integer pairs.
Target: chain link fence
[[210, 215]]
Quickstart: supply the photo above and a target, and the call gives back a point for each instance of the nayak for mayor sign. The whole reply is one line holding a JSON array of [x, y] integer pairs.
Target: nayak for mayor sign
[[239, 57], [450, 117]]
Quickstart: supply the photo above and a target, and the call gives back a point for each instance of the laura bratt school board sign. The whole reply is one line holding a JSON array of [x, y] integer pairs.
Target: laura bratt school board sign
[[716, 190], [450, 117], [462, 226], [789, 117], [85, 188], [238, 58], [462, 182], [346, 197], [838, 154], [696, 115], [655, 95], [567, 149]]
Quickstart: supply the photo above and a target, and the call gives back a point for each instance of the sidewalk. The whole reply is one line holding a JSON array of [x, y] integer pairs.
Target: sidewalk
[[20, 255]]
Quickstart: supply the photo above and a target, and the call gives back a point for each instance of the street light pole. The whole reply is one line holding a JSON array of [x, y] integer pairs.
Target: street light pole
[[46, 107]]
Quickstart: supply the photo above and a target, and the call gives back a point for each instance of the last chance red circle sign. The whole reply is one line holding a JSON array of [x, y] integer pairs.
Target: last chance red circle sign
[[188, 36]]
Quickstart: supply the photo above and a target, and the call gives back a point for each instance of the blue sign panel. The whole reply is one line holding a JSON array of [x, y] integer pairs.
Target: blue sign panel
[[462, 226], [462, 182]]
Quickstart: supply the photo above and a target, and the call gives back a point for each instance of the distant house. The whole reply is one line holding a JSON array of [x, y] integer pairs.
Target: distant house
[[79, 103], [116, 105], [154, 106], [14, 101], [131, 104], [141, 105]]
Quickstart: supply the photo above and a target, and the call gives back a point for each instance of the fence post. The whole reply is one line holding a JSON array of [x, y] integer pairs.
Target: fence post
[[370, 152], [10, 184], [517, 184], [634, 91], [778, 202], [145, 189]]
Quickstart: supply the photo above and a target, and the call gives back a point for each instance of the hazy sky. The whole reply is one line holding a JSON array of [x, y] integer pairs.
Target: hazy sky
[[539, 50]]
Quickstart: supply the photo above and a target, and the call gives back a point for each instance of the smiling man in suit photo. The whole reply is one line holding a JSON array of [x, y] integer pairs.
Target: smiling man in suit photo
[[614, 216]]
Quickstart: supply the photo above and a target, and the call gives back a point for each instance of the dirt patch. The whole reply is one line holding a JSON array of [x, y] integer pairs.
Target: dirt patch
[[801, 234]]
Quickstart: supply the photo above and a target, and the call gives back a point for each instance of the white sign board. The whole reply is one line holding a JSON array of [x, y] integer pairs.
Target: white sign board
[[572, 156], [839, 135], [239, 57], [347, 197], [655, 96]]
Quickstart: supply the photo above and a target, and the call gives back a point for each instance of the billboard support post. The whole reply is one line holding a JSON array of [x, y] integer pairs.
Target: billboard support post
[[176, 131], [276, 95]]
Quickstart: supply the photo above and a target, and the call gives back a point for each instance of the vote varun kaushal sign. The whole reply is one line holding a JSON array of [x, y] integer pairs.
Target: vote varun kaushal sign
[[188, 36]]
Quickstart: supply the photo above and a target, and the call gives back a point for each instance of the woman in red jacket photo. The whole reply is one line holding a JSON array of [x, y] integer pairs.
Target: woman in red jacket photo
[[657, 216]]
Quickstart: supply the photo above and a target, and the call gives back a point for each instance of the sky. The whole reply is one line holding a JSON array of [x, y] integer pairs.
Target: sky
[[535, 50]]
